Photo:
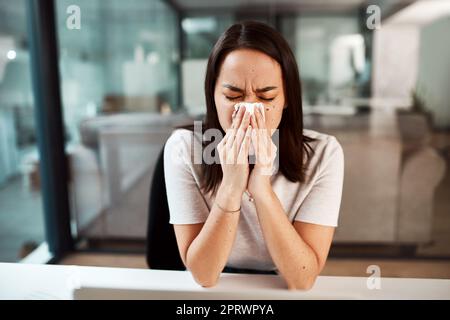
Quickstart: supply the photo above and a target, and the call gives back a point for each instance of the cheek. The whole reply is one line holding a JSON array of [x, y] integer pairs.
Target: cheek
[[273, 115], [225, 110]]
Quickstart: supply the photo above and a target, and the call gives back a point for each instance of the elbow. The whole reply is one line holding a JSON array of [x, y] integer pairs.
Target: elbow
[[204, 277], [206, 281], [302, 284], [208, 284], [304, 279]]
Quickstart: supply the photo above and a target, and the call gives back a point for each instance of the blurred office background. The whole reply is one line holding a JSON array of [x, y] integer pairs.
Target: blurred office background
[[135, 69]]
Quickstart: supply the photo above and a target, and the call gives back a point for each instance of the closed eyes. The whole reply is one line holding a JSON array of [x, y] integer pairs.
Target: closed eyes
[[239, 97]]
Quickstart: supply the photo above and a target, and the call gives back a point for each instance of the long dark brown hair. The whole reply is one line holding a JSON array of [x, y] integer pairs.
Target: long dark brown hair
[[294, 151]]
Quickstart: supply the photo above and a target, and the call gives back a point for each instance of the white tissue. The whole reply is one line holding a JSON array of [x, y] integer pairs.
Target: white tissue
[[250, 107]]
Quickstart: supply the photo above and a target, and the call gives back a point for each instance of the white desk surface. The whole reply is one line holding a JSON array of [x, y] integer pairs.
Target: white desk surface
[[27, 281]]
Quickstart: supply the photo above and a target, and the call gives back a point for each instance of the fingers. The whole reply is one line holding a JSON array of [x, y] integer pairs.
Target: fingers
[[237, 117], [254, 136], [261, 140], [230, 132], [233, 147], [259, 126], [242, 130], [234, 113], [255, 141], [259, 118], [239, 137], [235, 124], [236, 136], [253, 122], [246, 131], [265, 134], [243, 152]]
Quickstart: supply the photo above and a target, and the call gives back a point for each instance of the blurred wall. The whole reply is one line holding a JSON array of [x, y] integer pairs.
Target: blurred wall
[[396, 48], [434, 70]]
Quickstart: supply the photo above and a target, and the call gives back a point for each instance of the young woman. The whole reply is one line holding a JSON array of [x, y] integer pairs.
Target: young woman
[[232, 214]]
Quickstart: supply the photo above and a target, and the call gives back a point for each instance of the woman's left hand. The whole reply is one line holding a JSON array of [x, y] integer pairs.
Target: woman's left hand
[[265, 154]]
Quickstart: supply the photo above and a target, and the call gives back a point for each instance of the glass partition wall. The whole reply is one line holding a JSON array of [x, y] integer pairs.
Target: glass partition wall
[[21, 211], [119, 65]]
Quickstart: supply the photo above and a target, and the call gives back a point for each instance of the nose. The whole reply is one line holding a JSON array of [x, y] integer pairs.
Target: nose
[[251, 98]]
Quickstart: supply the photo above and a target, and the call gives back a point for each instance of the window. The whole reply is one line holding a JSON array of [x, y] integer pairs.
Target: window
[[120, 91], [21, 213]]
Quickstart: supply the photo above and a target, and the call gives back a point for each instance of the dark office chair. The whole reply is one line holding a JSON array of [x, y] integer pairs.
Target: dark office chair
[[162, 249]]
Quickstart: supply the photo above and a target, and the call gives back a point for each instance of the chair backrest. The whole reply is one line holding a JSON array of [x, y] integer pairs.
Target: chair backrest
[[162, 250]]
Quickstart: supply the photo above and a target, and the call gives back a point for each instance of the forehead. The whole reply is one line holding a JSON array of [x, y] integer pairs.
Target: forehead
[[243, 66]]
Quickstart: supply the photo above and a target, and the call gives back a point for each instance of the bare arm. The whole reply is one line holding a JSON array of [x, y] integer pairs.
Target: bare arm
[[298, 250], [205, 247]]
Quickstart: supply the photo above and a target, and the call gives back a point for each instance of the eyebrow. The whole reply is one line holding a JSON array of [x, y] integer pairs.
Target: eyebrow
[[236, 89]]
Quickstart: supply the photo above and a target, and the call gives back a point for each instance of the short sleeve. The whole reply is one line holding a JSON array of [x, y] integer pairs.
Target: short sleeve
[[321, 205], [186, 202]]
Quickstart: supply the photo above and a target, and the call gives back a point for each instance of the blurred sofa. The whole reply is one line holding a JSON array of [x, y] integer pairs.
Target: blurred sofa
[[391, 174], [111, 170]]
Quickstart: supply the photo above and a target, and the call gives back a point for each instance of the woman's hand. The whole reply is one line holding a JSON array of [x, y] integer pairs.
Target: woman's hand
[[233, 154], [265, 153]]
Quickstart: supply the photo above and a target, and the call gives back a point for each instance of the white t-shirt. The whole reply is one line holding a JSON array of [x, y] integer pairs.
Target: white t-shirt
[[316, 201]]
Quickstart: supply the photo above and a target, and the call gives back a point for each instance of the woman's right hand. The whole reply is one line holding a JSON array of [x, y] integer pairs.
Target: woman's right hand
[[233, 153]]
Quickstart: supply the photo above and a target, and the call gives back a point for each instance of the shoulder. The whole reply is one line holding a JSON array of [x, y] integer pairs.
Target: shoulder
[[325, 148], [182, 139], [180, 145], [180, 136], [322, 141]]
